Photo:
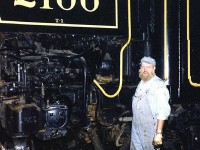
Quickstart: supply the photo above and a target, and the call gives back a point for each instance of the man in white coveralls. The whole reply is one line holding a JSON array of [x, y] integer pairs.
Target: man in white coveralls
[[150, 106]]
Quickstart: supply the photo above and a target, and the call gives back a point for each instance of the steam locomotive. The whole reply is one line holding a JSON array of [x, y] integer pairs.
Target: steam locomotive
[[69, 69]]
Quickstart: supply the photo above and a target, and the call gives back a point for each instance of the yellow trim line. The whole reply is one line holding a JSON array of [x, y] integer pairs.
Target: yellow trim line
[[121, 58], [188, 46]]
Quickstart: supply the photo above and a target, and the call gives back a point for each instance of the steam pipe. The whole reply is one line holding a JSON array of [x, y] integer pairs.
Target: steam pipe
[[84, 85], [95, 140]]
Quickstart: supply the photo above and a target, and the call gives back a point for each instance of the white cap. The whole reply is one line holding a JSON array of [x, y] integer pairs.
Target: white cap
[[148, 60]]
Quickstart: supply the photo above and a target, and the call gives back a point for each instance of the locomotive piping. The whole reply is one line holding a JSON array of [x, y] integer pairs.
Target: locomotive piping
[[121, 58]]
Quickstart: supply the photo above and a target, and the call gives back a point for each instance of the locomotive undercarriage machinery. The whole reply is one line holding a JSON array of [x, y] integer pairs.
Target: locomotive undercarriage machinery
[[48, 98]]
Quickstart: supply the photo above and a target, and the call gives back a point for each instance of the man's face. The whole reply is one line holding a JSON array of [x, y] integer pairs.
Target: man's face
[[146, 71]]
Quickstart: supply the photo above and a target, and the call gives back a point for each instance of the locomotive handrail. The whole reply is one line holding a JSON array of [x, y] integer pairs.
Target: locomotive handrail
[[166, 67], [121, 58]]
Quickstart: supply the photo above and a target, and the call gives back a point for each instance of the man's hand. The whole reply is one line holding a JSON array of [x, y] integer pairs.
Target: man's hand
[[157, 140]]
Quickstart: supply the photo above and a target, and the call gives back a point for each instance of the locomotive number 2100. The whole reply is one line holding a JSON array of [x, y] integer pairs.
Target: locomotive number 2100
[[46, 4]]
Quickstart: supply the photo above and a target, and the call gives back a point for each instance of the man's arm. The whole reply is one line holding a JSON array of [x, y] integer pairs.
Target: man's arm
[[160, 124]]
